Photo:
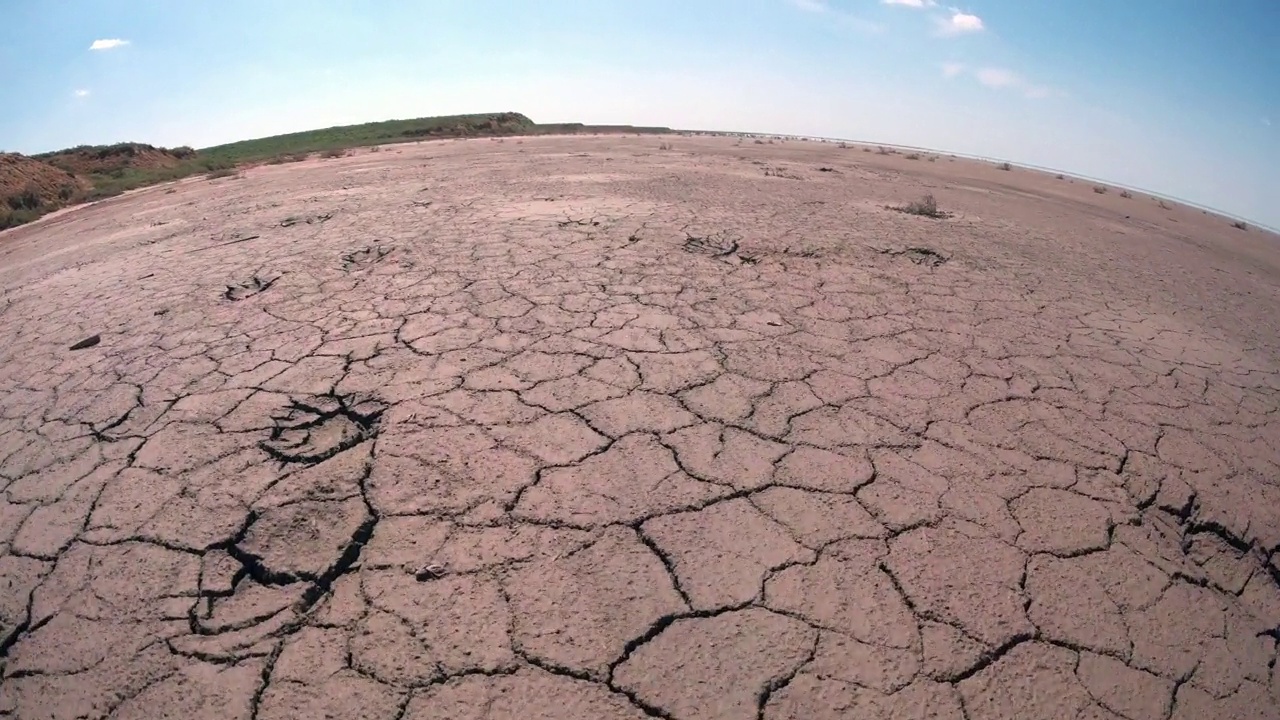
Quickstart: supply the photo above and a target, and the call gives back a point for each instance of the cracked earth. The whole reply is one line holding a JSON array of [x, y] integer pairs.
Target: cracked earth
[[581, 428]]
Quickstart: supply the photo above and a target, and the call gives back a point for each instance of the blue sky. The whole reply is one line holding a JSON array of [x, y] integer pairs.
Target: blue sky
[[1176, 96]]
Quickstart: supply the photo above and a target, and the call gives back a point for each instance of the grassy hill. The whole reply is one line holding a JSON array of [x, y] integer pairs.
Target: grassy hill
[[374, 133], [33, 186]]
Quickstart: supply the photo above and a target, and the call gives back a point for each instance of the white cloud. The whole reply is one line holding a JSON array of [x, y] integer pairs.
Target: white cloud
[[108, 44], [1266, 121], [911, 3], [845, 19], [960, 23], [81, 93], [998, 77], [1001, 79]]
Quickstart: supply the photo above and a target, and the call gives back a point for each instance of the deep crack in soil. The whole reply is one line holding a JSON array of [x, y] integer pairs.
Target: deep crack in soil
[[248, 288], [364, 257], [317, 428], [718, 245]]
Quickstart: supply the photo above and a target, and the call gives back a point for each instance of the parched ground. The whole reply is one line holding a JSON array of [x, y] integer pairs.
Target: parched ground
[[583, 428]]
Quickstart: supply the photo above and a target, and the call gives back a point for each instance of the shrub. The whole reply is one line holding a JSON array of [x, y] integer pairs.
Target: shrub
[[220, 173], [1240, 225], [27, 198], [13, 218], [1126, 194], [912, 156], [1163, 205], [333, 153], [1005, 166], [1060, 176], [209, 165], [926, 206], [1101, 190]]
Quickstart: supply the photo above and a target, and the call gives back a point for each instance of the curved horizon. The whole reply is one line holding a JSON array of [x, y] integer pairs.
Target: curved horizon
[[1175, 97]]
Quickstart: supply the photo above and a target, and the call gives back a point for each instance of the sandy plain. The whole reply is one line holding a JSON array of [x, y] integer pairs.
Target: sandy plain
[[584, 428]]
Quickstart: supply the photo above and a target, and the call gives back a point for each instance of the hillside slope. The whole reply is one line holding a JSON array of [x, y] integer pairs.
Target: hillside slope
[[33, 186], [115, 159], [30, 188]]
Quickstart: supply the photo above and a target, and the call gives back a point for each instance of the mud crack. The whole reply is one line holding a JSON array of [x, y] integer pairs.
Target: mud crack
[[717, 245], [365, 256], [248, 288], [919, 255], [318, 428]]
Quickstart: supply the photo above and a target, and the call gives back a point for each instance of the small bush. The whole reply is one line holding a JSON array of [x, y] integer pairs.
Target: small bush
[[1126, 194], [1101, 190], [912, 156], [26, 199], [1060, 176], [664, 146], [375, 148], [102, 193], [221, 173], [13, 218], [333, 153], [288, 158], [1005, 166], [926, 206], [211, 165], [1240, 225], [1163, 205]]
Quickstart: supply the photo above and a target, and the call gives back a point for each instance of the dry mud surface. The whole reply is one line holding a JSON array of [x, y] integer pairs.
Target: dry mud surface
[[582, 428]]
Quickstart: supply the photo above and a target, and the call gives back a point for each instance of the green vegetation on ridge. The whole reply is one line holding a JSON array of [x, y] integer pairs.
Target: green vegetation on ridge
[[388, 131], [109, 170]]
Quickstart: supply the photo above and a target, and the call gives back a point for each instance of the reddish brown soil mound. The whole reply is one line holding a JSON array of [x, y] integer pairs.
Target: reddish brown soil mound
[[106, 159], [30, 187]]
